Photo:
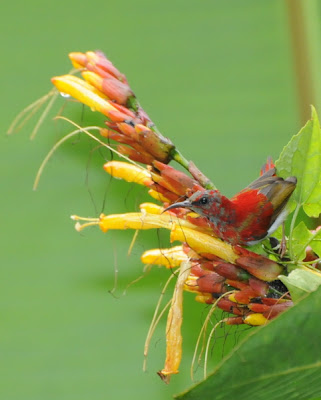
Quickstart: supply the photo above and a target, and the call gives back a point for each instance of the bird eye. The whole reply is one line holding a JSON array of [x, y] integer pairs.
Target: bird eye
[[204, 200]]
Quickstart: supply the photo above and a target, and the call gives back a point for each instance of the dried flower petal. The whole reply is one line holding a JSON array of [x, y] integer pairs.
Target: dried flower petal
[[173, 327]]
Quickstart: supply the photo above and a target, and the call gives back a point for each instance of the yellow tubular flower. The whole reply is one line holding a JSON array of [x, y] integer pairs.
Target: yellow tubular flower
[[128, 172], [203, 243], [191, 284], [232, 297], [204, 298], [85, 85], [181, 230], [151, 208], [92, 78], [78, 59], [169, 258], [83, 92], [139, 221], [158, 196], [197, 240]]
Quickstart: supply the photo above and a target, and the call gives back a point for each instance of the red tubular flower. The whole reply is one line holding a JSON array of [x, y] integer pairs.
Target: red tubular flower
[[259, 266], [230, 307], [96, 59], [113, 88], [211, 283]]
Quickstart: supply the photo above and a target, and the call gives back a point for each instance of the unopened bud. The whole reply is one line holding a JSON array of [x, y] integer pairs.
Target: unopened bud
[[255, 319], [261, 267]]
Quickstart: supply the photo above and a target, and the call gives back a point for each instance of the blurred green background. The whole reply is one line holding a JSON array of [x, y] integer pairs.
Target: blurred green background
[[228, 82]]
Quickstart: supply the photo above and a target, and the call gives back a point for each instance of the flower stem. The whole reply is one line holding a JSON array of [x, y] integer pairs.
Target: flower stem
[[296, 211], [178, 157], [192, 169]]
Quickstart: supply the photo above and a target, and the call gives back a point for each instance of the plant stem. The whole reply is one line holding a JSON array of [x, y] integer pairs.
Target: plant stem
[[178, 157], [296, 211]]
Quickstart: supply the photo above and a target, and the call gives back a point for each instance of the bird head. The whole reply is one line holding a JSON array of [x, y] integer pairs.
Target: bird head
[[203, 203]]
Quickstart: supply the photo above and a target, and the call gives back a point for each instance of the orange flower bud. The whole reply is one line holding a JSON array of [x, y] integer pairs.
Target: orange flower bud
[[174, 180], [260, 288], [230, 307], [227, 270], [78, 60], [157, 145], [206, 298], [99, 59], [211, 283], [198, 269], [128, 130], [277, 309], [116, 90], [257, 265], [258, 308], [243, 296], [135, 155], [164, 193], [132, 116], [234, 321]]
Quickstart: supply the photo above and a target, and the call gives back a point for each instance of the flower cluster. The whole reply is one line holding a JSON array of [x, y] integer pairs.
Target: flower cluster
[[232, 278]]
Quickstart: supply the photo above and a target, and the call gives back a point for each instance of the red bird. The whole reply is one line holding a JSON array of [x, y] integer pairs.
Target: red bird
[[248, 217]]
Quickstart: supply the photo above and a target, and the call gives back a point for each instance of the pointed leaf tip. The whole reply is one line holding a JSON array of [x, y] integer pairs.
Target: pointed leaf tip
[[301, 157]]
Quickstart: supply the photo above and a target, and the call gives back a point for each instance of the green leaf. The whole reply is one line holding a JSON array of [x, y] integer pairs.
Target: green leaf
[[312, 206], [301, 238], [316, 243], [300, 282], [278, 361], [301, 157]]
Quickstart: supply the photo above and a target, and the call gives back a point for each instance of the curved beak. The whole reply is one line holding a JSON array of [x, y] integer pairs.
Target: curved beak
[[183, 204]]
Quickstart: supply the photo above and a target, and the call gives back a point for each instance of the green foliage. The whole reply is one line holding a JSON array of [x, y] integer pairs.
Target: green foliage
[[301, 282], [303, 237], [302, 158], [274, 362]]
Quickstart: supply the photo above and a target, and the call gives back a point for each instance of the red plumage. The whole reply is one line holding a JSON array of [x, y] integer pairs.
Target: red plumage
[[248, 217]]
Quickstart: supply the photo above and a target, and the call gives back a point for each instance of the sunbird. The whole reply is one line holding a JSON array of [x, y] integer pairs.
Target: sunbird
[[251, 215]]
